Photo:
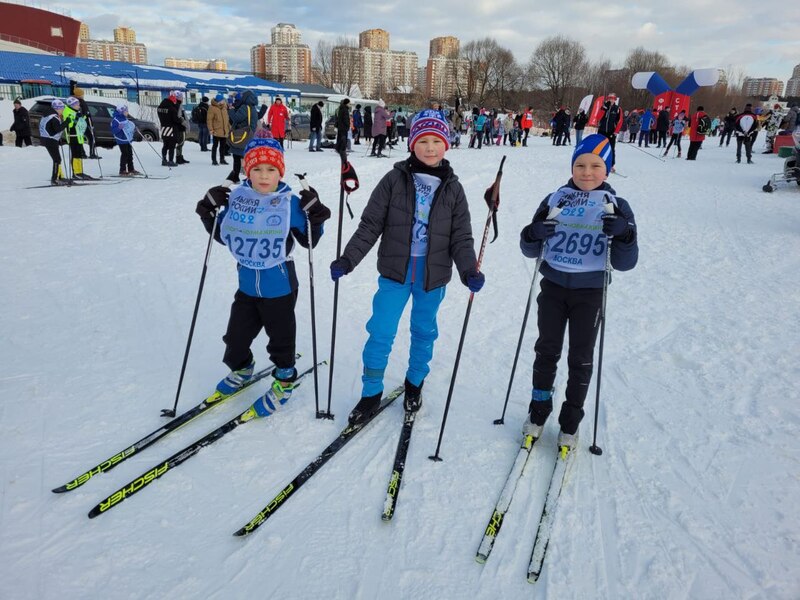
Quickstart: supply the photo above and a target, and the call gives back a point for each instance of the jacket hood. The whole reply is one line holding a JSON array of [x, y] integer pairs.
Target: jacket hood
[[249, 97], [219, 103]]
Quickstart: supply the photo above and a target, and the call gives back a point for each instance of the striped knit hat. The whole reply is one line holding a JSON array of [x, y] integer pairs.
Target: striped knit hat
[[594, 144], [263, 151], [429, 122]]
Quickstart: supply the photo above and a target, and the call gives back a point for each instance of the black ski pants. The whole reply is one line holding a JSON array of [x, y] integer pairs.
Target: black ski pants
[[747, 141], [249, 316], [580, 309], [222, 144], [125, 158], [168, 143], [725, 137], [693, 148]]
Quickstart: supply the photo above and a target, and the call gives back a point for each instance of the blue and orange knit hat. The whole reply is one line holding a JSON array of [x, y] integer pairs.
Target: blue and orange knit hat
[[429, 122], [263, 151], [594, 144]]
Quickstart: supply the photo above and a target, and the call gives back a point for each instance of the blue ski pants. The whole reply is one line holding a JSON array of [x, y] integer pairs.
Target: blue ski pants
[[387, 307]]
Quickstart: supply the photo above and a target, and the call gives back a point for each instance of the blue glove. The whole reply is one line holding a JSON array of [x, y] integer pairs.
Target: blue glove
[[616, 226], [541, 230], [475, 280], [339, 268]]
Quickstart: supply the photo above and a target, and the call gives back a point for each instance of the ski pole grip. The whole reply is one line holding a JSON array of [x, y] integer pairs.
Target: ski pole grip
[[554, 212], [303, 181], [608, 207]]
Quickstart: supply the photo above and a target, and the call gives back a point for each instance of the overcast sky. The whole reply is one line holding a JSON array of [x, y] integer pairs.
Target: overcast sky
[[760, 38]]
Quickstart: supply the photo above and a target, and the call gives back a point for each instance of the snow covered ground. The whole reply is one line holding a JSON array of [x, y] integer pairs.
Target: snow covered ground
[[697, 494]]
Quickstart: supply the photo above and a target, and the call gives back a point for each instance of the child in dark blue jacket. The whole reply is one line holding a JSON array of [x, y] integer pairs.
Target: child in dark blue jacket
[[259, 222], [573, 248]]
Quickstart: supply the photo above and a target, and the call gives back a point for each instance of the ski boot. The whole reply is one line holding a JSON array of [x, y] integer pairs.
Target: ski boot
[[278, 394], [235, 380], [412, 398], [568, 441], [365, 409], [539, 409]]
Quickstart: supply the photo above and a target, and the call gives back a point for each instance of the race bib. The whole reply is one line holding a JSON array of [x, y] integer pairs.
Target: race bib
[[579, 245], [255, 227], [425, 187]]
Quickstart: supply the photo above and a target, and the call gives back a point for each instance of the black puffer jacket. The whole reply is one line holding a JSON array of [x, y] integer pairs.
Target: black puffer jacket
[[389, 215]]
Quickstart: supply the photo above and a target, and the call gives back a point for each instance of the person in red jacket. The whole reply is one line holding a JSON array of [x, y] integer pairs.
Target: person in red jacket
[[277, 115], [699, 123], [527, 124]]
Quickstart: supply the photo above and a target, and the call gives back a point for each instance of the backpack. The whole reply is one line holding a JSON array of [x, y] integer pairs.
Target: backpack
[[704, 125], [196, 114], [239, 137]]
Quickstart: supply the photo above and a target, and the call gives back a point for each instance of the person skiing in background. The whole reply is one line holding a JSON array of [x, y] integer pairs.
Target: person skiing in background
[[22, 124], [772, 122], [277, 116], [242, 115], [728, 125], [700, 123], [678, 127], [169, 119], [219, 126], [526, 123], [183, 129], [647, 124], [342, 125], [662, 127], [74, 128], [315, 127], [51, 131], [421, 215], [580, 124], [268, 286], [87, 116], [573, 273], [746, 131], [368, 123], [200, 118], [358, 125], [634, 124], [609, 118], [123, 130]]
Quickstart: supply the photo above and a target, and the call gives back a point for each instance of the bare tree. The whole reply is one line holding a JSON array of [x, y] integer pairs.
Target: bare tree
[[346, 65], [322, 65], [505, 76], [556, 65], [481, 57]]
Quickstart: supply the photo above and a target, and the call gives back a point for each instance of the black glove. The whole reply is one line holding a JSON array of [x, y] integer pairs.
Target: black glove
[[541, 230], [492, 203], [340, 267], [616, 226], [318, 213], [215, 198]]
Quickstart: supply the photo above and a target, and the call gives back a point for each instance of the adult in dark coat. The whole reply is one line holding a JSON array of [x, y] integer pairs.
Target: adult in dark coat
[[171, 127], [728, 126], [580, 123], [368, 123], [243, 114], [662, 126], [315, 127], [200, 113], [22, 124], [607, 126], [342, 125]]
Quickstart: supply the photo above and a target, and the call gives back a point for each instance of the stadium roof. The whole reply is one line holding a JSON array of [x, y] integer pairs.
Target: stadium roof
[[59, 70]]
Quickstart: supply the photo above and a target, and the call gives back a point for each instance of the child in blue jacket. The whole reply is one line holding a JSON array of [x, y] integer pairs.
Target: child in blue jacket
[[259, 222], [123, 129], [573, 272]]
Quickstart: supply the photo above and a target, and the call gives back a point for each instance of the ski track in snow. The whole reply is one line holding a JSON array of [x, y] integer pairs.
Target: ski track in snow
[[696, 495]]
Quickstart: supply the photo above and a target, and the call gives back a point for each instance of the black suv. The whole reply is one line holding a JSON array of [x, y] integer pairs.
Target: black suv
[[102, 113]]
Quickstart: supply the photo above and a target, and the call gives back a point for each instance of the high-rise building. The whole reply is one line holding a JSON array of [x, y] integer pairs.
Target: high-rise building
[[444, 46], [83, 36], [445, 73], [374, 68], [285, 63], [124, 35], [374, 39], [762, 86], [108, 50], [793, 85], [215, 64], [285, 34]]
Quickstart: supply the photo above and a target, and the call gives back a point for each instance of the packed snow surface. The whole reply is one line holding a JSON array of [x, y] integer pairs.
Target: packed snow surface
[[696, 495]]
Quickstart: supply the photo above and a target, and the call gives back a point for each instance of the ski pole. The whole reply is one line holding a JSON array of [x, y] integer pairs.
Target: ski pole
[[171, 412], [649, 154], [554, 212], [348, 183], [136, 154], [492, 209], [151, 145], [304, 183], [608, 207]]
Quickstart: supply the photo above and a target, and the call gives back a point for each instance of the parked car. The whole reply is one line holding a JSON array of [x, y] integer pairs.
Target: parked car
[[102, 113], [301, 126], [330, 128]]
